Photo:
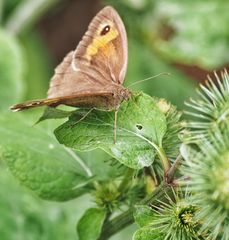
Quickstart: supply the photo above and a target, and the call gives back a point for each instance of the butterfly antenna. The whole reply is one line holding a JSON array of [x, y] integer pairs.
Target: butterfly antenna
[[146, 79]]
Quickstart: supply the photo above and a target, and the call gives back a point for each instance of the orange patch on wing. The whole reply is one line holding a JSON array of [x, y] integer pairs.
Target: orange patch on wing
[[101, 42]]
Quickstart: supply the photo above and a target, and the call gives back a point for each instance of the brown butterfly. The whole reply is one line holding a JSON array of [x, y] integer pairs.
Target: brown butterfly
[[93, 74]]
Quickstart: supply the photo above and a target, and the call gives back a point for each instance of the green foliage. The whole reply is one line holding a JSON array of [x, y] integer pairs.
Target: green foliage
[[147, 233], [11, 70], [90, 225], [193, 38], [141, 127], [9, 6], [206, 161], [175, 88], [171, 220], [171, 141], [24, 216], [210, 110], [148, 133], [143, 215], [177, 31], [107, 196], [208, 180], [38, 72], [35, 158], [53, 113]]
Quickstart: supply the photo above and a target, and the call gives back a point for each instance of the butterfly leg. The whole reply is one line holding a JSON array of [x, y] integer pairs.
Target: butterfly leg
[[84, 116], [115, 125]]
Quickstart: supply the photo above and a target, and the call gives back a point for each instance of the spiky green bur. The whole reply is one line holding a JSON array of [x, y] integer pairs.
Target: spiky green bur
[[211, 110], [171, 141], [107, 196], [173, 219], [112, 195], [208, 174]]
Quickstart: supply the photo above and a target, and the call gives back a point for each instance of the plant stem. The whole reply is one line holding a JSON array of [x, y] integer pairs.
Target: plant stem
[[173, 169], [118, 223], [125, 219], [157, 194], [26, 14], [126, 180], [165, 161]]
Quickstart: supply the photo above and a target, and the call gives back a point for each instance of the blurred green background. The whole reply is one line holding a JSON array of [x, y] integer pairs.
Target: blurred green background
[[187, 39]]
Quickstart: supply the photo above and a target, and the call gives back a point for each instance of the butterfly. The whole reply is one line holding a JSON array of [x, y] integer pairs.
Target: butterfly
[[92, 76]]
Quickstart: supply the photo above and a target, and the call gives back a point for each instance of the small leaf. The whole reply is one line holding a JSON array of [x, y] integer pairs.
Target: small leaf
[[39, 162], [140, 129], [143, 215], [90, 225], [54, 113], [148, 233]]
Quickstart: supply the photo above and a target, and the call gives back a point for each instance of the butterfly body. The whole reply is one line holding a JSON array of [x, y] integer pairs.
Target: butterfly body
[[92, 76]]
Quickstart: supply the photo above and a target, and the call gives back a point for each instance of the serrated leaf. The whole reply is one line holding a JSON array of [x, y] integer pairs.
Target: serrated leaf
[[38, 161], [11, 71], [148, 233], [140, 129], [53, 113], [143, 215], [90, 225]]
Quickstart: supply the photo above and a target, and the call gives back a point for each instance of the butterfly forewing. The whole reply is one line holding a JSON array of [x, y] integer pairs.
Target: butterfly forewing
[[99, 61], [104, 46], [93, 74]]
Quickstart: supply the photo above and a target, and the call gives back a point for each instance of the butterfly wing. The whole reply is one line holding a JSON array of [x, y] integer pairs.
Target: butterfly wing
[[99, 61], [91, 73]]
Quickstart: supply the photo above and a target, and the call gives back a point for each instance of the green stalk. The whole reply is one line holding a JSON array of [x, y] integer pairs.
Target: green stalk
[[126, 180], [172, 170], [26, 14], [165, 161], [125, 219], [117, 224]]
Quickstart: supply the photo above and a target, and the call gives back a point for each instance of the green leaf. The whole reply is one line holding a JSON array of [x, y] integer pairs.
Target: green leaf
[[54, 113], [148, 233], [143, 215], [90, 225], [39, 162], [140, 130], [51, 220], [11, 71]]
